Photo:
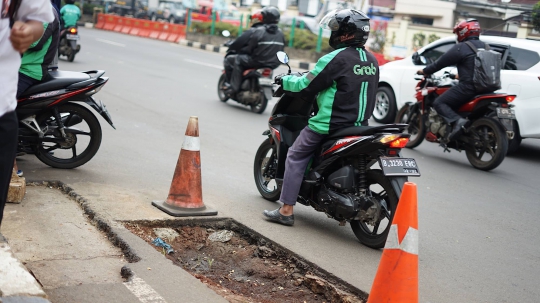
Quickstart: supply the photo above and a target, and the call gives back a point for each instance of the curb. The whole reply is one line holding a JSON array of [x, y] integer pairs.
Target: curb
[[223, 49], [17, 284]]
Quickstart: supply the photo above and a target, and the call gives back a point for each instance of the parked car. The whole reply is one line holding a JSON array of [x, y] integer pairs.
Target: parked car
[[520, 76], [170, 11], [204, 10]]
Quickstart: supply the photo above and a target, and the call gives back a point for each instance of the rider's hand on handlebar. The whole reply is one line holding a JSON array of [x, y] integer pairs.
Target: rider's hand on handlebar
[[420, 72], [278, 80]]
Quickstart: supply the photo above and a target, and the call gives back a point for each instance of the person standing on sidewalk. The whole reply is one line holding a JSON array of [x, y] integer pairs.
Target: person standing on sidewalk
[[21, 23], [345, 82]]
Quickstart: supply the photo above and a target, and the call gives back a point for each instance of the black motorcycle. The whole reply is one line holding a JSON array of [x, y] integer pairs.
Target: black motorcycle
[[255, 90], [68, 45], [59, 131], [355, 176]]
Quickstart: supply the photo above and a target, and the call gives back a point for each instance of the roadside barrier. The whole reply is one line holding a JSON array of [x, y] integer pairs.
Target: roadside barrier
[[397, 276], [142, 28], [185, 195]]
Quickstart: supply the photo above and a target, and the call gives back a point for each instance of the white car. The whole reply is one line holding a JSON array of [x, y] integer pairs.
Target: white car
[[520, 76]]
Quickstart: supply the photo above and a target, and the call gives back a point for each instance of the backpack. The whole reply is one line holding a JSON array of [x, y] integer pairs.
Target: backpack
[[487, 69]]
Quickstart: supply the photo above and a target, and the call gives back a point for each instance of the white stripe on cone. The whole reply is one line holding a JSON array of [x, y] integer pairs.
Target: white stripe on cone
[[191, 143], [408, 244]]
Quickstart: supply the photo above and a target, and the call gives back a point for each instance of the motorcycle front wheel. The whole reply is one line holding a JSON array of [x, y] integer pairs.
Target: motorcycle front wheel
[[415, 125], [221, 94], [489, 144], [374, 236], [83, 137], [264, 170]]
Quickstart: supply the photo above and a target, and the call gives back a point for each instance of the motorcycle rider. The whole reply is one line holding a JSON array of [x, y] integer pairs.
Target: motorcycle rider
[[462, 56], [238, 44], [346, 81], [263, 42], [70, 14], [36, 60]]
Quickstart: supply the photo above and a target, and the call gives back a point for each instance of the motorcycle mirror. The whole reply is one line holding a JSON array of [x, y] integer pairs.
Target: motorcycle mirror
[[283, 58], [226, 33], [418, 59]]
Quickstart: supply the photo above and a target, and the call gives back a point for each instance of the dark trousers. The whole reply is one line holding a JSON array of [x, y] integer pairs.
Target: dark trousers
[[449, 102], [24, 83], [238, 64], [298, 158], [8, 148]]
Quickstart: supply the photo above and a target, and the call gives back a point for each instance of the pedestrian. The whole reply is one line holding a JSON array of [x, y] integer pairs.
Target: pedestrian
[[21, 23], [338, 80]]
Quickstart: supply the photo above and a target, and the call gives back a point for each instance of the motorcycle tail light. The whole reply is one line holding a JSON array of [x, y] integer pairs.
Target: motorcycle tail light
[[265, 72], [510, 98], [394, 141], [73, 30]]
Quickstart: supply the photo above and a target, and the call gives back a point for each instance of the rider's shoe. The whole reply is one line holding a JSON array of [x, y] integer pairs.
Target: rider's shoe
[[276, 216], [458, 127]]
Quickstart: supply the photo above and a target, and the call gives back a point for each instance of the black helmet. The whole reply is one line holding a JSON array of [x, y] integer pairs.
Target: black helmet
[[349, 27], [70, 1], [270, 15]]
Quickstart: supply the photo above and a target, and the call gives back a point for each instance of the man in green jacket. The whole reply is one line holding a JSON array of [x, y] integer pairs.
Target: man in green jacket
[[345, 82], [70, 14], [36, 60]]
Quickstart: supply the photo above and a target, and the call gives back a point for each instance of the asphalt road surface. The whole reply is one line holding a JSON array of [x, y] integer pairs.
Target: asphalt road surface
[[478, 230]]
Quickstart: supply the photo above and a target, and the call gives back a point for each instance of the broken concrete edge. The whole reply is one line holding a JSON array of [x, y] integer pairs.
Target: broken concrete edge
[[16, 281], [223, 49], [231, 224]]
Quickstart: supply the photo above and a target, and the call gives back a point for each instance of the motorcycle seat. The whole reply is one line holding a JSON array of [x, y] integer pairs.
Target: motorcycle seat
[[367, 130], [57, 80]]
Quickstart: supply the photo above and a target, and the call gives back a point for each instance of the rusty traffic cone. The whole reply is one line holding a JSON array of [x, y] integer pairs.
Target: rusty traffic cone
[[397, 276], [185, 195]]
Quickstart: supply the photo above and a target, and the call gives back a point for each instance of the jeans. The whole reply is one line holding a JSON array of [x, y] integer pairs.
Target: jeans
[[450, 101]]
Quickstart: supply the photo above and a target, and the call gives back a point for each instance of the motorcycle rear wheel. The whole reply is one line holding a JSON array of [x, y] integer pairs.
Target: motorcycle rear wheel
[[489, 140], [382, 190], [416, 126], [87, 130], [260, 106], [71, 56], [221, 94], [264, 170]]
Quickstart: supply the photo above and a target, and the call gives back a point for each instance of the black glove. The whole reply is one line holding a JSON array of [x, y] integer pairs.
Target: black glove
[[278, 80]]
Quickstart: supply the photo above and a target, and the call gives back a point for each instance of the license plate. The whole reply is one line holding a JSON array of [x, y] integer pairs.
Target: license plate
[[394, 167], [72, 37], [265, 81], [505, 113]]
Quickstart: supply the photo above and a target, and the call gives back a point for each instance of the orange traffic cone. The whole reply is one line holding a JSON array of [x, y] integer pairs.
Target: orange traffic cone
[[185, 195], [397, 275]]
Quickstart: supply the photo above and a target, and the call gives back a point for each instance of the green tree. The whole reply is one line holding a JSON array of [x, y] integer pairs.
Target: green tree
[[418, 40], [433, 38], [536, 16]]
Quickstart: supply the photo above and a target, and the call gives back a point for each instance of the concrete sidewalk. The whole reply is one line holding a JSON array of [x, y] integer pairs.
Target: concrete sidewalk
[[79, 254]]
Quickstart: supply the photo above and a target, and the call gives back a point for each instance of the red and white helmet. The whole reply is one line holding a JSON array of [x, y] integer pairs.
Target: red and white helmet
[[257, 17], [467, 28]]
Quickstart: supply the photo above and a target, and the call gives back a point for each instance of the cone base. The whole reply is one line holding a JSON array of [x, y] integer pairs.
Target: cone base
[[182, 211]]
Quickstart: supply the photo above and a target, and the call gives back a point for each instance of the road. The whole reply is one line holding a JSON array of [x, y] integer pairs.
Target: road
[[477, 229]]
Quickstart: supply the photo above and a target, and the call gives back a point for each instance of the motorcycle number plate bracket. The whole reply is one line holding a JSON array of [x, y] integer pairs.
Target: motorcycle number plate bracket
[[505, 113], [72, 37], [396, 167]]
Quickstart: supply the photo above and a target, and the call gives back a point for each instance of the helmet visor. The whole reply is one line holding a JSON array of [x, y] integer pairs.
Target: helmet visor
[[329, 21]]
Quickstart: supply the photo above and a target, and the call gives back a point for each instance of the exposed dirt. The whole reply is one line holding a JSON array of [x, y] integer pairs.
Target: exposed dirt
[[244, 269]]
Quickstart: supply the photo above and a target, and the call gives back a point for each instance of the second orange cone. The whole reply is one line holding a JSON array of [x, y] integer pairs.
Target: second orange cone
[[185, 195], [397, 276]]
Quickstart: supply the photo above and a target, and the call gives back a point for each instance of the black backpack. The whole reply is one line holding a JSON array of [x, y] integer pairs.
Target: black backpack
[[487, 69]]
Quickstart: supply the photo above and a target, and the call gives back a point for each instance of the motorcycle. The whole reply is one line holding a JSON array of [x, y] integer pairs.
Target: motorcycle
[[58, 131], [68, 43], [485, 137], [355, 176], [255, 89]]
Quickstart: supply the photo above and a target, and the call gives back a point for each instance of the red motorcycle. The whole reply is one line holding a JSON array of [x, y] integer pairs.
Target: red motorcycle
[[485, 136]]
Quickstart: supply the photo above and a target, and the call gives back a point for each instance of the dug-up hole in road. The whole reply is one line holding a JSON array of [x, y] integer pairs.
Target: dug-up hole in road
[[242, 265]]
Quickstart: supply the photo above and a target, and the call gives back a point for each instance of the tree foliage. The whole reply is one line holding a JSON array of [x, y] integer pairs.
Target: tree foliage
[[536, 16]]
